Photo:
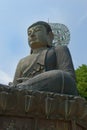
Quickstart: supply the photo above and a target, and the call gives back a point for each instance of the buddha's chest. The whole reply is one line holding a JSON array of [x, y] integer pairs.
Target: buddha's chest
[[38, 63]]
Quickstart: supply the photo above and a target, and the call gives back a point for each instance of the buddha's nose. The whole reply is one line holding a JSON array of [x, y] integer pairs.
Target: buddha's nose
[[32, 34]]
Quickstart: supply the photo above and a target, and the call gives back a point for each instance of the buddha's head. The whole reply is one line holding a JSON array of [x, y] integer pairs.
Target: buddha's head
[[40, 35]]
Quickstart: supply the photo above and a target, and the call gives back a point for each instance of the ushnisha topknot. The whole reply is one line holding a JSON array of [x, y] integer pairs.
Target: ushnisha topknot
[[45, 24]]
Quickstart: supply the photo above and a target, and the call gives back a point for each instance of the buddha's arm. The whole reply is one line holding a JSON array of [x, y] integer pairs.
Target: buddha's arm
[[64, 60], [18, 73]]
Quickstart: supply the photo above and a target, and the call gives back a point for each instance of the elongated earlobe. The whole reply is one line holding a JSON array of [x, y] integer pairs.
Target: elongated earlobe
[[50, 38], [51, 35]]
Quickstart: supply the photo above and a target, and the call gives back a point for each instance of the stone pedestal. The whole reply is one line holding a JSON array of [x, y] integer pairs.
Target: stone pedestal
[[29, 110]]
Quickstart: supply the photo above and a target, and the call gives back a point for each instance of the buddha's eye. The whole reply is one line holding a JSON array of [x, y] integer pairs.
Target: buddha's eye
[[29, 33], [33, 31], [37, 29]]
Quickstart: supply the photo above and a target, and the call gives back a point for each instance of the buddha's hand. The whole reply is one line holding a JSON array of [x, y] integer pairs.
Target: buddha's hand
[[21, 80], [23, 84]]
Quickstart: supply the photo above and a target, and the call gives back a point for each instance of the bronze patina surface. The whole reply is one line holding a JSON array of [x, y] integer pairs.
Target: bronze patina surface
[[47, 68]]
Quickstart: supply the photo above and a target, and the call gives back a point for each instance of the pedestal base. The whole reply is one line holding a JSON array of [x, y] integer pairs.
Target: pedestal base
[[29, 110]]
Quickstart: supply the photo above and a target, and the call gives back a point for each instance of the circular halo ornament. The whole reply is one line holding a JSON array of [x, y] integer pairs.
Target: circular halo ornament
[[61, 34]]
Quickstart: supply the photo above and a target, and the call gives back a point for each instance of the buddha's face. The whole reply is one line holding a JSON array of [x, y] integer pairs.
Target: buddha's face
[[38, 36]]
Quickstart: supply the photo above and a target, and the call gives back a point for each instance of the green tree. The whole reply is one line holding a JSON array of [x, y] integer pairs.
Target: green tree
[[81, 75]]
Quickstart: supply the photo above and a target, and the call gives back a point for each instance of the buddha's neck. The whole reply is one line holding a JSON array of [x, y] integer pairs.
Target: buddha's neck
[[38, 50]]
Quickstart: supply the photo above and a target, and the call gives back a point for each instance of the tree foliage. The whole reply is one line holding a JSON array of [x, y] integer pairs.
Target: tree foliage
[[81, 75]]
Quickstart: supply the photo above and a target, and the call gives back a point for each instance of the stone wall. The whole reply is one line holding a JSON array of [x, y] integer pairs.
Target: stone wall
[[28, 110]]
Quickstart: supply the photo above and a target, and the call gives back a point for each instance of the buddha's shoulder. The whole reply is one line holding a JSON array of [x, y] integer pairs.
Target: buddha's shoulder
[[26, 59], [61, 48]]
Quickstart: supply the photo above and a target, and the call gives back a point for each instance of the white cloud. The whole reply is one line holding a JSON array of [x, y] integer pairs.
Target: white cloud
[[4, 77]]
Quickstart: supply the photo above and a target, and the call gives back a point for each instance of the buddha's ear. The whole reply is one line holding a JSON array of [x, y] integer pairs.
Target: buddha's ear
[[31, 51], [51, 35], [50, 38]]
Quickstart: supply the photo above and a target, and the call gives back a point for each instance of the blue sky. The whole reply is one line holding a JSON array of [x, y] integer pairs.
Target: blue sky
[[17, 15]]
